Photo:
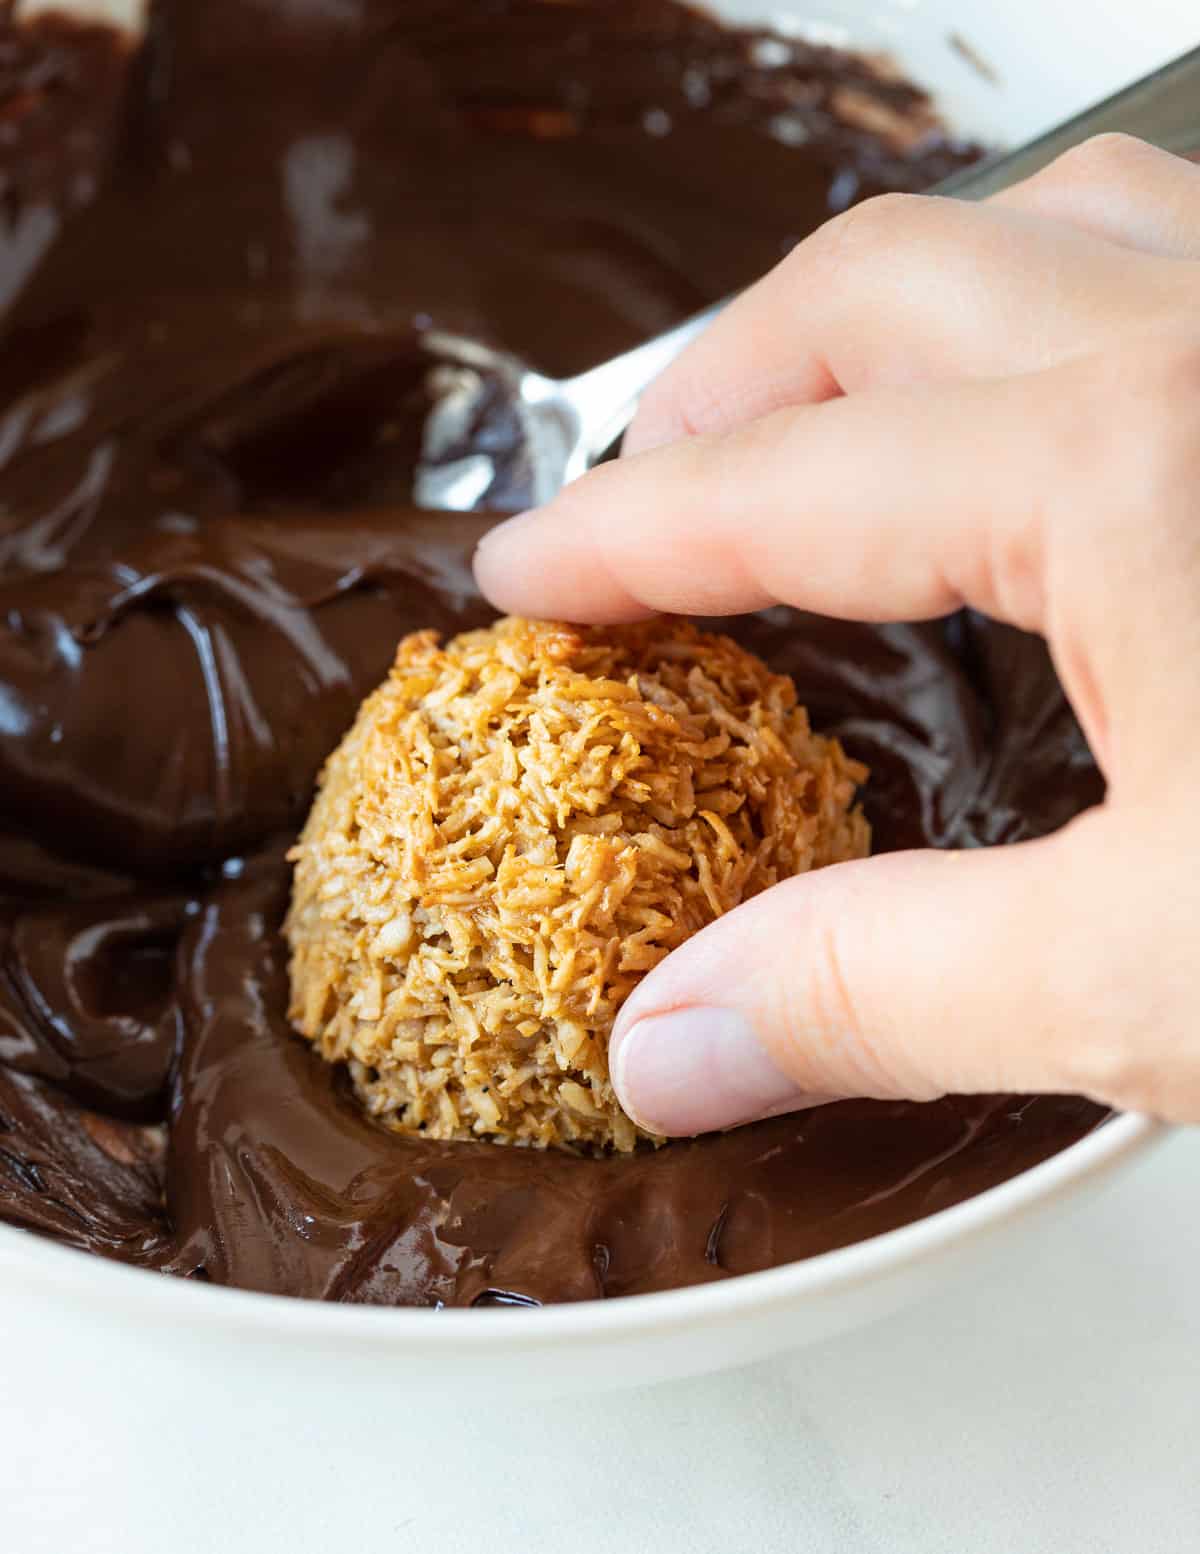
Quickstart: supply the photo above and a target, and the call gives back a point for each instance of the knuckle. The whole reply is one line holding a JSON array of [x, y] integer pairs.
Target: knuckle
[[1103, 159], [863, 231]]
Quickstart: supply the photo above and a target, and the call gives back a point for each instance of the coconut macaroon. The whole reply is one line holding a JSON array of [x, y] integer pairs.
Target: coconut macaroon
[[519, 826]]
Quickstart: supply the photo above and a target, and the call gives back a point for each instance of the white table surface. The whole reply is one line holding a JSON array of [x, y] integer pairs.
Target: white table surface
[[1053, 1408]]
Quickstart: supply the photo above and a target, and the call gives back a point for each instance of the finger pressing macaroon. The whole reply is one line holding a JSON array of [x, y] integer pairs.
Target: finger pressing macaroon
[[517, 828], [863, 507]]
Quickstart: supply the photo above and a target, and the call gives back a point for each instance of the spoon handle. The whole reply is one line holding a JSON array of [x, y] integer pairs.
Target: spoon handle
[[1161, 108], [605, 397]]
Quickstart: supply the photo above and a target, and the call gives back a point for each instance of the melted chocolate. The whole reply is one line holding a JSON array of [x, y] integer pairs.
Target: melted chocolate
[[214, 253]]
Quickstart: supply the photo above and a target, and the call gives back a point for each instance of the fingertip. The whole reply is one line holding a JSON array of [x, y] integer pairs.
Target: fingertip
[[698, 1070], [503, 532], [537, 566], [500, 562]]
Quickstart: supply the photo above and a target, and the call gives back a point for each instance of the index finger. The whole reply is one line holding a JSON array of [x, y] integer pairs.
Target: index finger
[[880, 506]]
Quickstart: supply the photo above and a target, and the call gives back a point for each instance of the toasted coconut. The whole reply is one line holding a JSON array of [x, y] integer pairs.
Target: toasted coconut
[[520, 825]]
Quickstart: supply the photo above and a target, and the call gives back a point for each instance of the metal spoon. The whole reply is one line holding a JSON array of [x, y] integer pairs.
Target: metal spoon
[[501, 435]]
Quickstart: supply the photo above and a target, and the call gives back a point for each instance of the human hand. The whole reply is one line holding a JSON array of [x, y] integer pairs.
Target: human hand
[[990, 405]]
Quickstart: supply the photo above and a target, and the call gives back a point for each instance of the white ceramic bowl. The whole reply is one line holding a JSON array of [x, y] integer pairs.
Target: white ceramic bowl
[[102, 1322], [118, 1341]]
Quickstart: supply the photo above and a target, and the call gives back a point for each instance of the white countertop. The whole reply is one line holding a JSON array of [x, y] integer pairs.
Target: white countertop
[[1043, 1410]]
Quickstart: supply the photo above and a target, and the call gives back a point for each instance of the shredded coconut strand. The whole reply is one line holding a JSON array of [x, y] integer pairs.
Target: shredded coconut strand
[[520, 825]]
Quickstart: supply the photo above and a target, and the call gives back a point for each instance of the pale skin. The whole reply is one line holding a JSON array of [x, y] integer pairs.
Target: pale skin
[[989, 405]]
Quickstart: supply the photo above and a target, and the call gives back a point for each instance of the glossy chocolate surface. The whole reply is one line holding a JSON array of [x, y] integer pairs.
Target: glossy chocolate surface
[[215, 251]]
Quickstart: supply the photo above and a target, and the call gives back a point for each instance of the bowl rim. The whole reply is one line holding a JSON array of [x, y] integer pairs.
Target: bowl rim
[[170, 1301]]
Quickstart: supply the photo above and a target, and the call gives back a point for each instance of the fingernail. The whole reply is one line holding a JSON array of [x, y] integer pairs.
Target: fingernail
[[695, 1070]]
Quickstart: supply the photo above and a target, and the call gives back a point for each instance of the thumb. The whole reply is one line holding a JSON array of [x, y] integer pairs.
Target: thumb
[[906, 975]]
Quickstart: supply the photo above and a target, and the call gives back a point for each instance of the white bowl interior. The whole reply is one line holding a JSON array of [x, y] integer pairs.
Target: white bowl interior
[[1046, 62]]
